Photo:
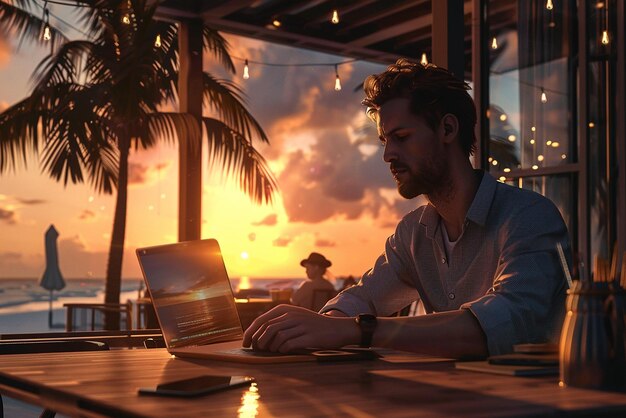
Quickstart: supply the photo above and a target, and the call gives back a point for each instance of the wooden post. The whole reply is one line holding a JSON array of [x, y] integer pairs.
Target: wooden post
[[620, 125], [190, 88], [448, 37], [480, 77]]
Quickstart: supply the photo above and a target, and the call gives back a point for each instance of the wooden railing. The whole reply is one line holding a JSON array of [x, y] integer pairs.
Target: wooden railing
[[90, 316]]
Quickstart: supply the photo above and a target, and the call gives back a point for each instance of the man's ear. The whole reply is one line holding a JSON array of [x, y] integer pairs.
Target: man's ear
[[449, 127]]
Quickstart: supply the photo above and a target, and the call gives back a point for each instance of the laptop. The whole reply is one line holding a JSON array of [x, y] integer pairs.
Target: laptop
[[195, 305]]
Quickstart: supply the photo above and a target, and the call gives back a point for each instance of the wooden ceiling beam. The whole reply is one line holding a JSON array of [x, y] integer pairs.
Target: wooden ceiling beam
[[226, 8], [360, 21], [292, 39], [344, 10]]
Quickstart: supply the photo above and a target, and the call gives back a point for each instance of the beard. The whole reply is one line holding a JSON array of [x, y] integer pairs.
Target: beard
[[429, 179]]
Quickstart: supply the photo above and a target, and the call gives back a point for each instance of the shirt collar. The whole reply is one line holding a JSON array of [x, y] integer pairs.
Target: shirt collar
[[479, 209], [477, 212]]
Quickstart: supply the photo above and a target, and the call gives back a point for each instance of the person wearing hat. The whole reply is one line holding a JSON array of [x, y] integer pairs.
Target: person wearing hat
[[316, 291]]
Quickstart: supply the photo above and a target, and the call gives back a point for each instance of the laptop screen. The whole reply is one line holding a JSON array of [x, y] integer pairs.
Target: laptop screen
[[191, 293]]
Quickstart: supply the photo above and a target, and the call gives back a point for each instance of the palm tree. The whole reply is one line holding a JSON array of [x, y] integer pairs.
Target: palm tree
[[96, 99]]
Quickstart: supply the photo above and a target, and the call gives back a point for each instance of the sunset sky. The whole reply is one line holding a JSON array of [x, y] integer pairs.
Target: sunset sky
[[336, 194]]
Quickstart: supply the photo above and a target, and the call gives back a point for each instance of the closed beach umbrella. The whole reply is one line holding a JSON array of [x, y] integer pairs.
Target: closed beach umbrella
[[52, 279]]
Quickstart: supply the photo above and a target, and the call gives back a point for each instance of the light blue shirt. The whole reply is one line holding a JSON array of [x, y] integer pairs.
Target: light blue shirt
[[504, 268]]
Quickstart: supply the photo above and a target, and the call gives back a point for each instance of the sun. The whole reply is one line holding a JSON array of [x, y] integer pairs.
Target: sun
[[244, 255]]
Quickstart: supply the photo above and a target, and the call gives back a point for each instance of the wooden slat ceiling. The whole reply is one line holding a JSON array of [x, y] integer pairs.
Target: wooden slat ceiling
[[374, 30]]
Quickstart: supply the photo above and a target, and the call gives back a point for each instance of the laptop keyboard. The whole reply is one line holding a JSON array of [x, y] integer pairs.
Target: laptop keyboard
[[251, 352]]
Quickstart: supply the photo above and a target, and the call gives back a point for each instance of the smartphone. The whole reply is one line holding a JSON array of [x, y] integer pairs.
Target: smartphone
[[196, 386]]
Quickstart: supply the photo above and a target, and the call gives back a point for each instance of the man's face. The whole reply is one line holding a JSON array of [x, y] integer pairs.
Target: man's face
[[414, 151], [313, 270]]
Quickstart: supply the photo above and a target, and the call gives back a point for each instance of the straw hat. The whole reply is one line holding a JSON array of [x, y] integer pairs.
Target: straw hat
[[316, 258]]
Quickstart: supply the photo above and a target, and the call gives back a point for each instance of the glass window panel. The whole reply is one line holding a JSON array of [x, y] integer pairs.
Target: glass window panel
[[530, 89], [560, 189]]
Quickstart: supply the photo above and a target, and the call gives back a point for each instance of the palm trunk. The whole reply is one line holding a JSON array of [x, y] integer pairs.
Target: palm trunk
[[116, 251]]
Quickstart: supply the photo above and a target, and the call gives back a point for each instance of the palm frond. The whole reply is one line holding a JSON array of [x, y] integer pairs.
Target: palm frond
[[62, 66], [19, 135], [218, 46], [172, 127], [227, 99], [18, 20], [239, 159]]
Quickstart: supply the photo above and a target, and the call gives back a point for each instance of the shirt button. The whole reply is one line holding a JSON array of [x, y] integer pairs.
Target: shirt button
[[443, 260], [451, 295]]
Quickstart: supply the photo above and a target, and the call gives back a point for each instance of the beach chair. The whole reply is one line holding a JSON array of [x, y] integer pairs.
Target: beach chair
[[46, 346]]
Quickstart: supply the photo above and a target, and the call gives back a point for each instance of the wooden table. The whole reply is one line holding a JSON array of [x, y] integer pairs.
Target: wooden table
[[105, 384]]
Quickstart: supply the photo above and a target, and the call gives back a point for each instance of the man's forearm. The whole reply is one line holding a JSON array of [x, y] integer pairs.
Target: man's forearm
[[454, 334], [336, 313]]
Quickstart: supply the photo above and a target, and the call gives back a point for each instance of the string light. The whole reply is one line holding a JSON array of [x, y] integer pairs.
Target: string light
[[335, 17], [126, 17], [337, 80], [276, 23], [424, 60], [605, 37], [157, 41], [544, 98], [246, 72], [494, 43], [549, 5], [47, 34]]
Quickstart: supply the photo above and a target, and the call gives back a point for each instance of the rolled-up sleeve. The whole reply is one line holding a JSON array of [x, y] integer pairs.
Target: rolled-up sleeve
[[383, 289], [527, 301]]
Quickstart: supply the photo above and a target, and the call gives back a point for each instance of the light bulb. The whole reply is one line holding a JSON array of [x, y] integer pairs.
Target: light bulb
[[157, 41], [337, 83], [494, 43], [335, 18], [549, 5], [544, 98], [246, 73], [126, 19], [47, 35], [605, 37], [424, 60]]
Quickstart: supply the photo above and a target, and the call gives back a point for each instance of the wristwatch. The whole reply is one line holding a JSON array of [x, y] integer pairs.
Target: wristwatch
[[367, 323]]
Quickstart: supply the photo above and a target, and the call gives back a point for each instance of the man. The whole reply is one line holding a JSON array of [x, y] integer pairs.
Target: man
[[316, 291], [480, 255]]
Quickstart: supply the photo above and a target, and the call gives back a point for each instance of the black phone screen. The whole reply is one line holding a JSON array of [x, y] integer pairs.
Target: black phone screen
[[197, 385]]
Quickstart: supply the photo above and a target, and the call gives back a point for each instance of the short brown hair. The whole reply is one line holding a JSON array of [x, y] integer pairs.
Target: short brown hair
[[433, 92]]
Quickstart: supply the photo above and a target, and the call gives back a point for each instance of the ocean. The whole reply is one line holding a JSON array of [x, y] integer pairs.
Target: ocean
[[24, 305]]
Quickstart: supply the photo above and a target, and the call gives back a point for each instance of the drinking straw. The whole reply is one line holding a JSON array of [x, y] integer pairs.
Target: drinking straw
[[568, 276]]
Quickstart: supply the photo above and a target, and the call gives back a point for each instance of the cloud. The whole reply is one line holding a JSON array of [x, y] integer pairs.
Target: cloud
[[282, 241], [320, 242], [87, 215], [30, 201], [334, 179], [269, 220], [139, 174], [290, 100], [16, 265], [78, 261], [7, 216]]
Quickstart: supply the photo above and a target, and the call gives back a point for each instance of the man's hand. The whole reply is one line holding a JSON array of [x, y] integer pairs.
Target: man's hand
[[287, 328]]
